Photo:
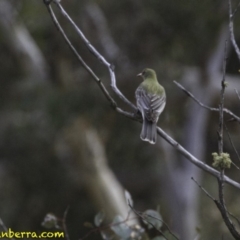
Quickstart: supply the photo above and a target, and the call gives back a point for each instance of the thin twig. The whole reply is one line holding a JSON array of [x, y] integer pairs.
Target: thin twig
[[237, 94], [221, 105], [90, 71], [193, 159], [221, 204], [204, 190], [214, 200], [93, 50], [139, 214], [164, 135], [223, 209], [238, 221], [231, 29], [235, 165], [64, 223], [165, 224], [234, 12], [205, 106], [235, 150]]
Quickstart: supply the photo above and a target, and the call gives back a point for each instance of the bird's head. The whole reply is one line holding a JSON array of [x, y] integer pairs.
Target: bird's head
[[147, 73]]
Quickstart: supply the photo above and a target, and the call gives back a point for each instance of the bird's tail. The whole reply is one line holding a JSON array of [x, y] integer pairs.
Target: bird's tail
[[149, 131]]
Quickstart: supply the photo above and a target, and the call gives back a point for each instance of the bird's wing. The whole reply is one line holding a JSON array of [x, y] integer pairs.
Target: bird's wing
[[150, 105]]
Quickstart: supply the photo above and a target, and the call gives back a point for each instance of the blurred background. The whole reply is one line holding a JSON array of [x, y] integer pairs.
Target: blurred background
[[61, 144]]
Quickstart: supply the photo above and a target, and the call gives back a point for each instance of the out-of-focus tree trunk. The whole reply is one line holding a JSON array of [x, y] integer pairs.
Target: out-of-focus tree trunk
[[111, 49], [22, 45], [91, 169], [183, 193]]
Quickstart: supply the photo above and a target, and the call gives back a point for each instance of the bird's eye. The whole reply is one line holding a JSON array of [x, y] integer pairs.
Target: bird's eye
[[143, 72]]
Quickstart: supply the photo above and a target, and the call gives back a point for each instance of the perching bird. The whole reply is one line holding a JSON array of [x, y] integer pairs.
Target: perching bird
[[151, 100]]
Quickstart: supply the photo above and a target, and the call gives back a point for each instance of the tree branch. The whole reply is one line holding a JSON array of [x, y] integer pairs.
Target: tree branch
[[98, 56], [234, 116], [233, 146], [132, 116], [221, 105], [221, 203], [84, 64], [194, 160], [140, 215], [231, 28], [223, 209], [237, 93]]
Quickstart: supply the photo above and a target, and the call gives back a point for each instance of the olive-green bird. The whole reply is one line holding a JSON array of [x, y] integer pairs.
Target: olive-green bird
[[151, 100]]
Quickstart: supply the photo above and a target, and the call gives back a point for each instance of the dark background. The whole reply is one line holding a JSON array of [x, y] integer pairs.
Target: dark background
[[43, 93]]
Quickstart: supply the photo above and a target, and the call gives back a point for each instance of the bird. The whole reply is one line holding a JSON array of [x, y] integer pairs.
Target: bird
[[151, 100]]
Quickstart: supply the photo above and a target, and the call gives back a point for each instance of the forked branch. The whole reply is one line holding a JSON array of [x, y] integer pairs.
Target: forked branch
[[134, 116]]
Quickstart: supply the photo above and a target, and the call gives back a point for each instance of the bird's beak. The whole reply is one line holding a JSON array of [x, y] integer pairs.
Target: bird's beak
[[139, 75]]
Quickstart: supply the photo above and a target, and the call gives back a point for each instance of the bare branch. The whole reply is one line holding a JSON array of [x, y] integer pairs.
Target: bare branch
[[237, 93], [98, 56], [204, 190], [221, 204], [134, 116], [223, 209], [230, 139], [193, 159], [231, 29], [90, 71], [221, 105], [234, 116], [140, 215], [108, 44], [165, 224], [238, 221], [215, 200], [234, 12]]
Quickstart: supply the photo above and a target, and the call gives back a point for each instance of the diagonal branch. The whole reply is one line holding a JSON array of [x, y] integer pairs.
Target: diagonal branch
[[234, 116], [237, 93], [93, 50], [221, 208], [132, 116], [140, 215], [231, 28], [194, 160], [233, 146], [90, 71]]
